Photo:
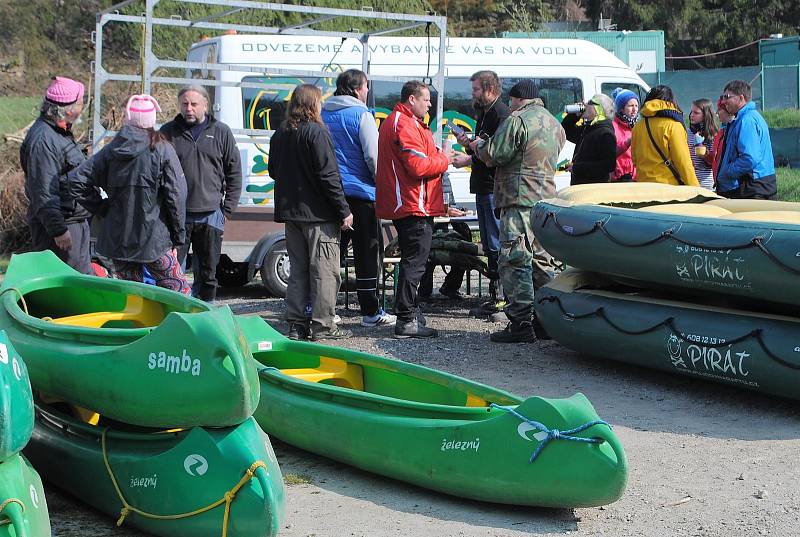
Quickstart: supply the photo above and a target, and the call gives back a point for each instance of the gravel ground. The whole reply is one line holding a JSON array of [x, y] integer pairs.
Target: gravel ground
[[705, 460]]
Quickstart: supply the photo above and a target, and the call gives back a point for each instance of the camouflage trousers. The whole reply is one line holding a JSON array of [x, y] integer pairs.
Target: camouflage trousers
[[524, 264]]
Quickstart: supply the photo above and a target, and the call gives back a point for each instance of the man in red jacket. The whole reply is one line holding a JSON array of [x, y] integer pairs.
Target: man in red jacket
[[409, 192]]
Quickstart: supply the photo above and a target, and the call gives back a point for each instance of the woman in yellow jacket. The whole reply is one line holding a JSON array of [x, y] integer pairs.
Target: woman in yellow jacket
[[661, 155]]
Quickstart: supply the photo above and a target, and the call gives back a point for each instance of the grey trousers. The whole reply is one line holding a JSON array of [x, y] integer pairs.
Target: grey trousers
[[78, 256], [315, 273]]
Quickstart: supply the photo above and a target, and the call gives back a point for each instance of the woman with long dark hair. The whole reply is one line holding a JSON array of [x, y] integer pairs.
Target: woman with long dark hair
[[703, 128], [144, 218], [659, 143], [309, 199]]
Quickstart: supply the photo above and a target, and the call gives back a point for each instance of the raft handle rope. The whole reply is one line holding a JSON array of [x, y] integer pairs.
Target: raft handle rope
[[669, 322], [554, 434], [757, 241], [3, 505], [227, 498], [21, 298]]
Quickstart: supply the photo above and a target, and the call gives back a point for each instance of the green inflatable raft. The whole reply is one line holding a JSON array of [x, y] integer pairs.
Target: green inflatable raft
[[16, 401], [681, 237], [598, 317], [23, 508], [433, 429], [135, 353], [184, 483]]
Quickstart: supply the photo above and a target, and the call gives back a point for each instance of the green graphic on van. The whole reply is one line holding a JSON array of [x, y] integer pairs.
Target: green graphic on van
[[268, 188]]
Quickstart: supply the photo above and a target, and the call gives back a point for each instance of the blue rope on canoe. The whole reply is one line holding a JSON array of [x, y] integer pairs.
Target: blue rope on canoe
[[553, 434]]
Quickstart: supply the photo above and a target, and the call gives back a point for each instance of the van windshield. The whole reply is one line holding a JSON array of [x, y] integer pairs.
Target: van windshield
[[264, 108]]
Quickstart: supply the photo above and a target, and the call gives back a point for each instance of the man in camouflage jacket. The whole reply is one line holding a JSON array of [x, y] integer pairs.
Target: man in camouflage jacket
[[525, 151]]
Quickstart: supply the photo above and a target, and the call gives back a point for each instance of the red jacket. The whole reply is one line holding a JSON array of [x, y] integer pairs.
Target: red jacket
[[410, 168], [715, 155]]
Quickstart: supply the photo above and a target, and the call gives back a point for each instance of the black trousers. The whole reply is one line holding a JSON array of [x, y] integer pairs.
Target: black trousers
[[206, 243], [414, 237], [365, 238]]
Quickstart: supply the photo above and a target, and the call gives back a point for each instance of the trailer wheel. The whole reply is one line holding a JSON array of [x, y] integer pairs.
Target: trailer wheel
[[275, 270]]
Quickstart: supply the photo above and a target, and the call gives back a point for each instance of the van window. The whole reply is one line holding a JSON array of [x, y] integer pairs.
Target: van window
[[609, 87], [265, 107]]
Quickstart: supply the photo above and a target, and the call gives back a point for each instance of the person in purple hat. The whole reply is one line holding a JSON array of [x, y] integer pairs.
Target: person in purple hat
[[56, 221]]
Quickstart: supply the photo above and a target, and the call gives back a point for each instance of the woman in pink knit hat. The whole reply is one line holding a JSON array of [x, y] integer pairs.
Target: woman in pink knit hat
[[48, 151], [146, 206]]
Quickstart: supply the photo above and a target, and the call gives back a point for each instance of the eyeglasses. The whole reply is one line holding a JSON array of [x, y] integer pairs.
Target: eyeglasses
[[726, 96]]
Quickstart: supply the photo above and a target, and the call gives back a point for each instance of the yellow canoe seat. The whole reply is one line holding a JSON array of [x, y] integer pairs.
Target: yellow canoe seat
[[474, 400], [139, 311], [342, 373]]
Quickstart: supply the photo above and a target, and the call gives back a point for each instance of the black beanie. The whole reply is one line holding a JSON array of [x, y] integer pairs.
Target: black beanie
[[524, 89]]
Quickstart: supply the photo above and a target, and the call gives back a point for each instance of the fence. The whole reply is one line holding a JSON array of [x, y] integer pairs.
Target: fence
[[774, 86]]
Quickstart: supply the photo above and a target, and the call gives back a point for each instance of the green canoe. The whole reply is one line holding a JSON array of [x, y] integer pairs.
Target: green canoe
[[433, 429], [738, 248], [597, 317], [16, 401], [23, 508], [136, 353], [165, 474]]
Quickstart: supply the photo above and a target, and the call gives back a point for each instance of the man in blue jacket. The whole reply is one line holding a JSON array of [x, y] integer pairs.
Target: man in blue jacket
[[355, 141], [747, 168]]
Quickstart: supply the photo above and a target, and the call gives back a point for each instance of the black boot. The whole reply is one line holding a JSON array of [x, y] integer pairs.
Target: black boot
[[515, 333], [413, 329], [298, 331]]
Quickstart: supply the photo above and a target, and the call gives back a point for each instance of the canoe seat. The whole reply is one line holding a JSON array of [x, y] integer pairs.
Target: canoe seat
[[139, 311], [341, 373], [474, 400]]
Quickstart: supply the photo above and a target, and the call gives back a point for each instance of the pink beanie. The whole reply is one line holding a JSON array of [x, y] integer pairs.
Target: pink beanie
[[141, 111], [64, 91]]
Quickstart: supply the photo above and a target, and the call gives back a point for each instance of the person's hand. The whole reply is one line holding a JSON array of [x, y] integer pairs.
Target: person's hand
[[347, 223], [461, 159], [455, 211], [450, 154], [568, 167], [463, 139], [473, 145], [64, 241]]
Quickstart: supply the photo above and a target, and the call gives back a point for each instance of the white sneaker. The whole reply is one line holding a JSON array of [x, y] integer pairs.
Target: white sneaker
[[336, 319], [379, 319]]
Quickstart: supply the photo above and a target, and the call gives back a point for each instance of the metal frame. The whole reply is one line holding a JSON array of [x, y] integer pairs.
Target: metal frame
[[151, 63]]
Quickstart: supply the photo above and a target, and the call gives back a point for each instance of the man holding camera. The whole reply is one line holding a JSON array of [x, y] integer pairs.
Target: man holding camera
[[491, 112], [525, 152]]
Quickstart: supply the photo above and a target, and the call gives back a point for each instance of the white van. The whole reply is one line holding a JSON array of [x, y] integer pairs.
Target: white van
[[565, 71]]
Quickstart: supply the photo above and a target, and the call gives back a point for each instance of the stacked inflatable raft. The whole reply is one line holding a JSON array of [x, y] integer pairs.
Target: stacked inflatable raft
[[144, 402], [677, 279]]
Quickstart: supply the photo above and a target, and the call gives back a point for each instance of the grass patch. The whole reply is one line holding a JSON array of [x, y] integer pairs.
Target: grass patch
[[782, 119], [16, 112], [296, 479], [788, 184]]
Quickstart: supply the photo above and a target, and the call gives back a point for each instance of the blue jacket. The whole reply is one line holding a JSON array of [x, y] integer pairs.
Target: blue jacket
[[355, 142], [748, 150]]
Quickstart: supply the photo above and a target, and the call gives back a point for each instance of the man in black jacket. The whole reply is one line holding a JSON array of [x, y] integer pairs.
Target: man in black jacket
[[56, 221], [209, 157], [486, 91]]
